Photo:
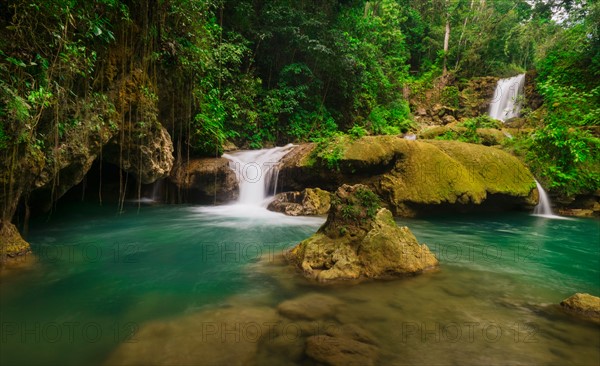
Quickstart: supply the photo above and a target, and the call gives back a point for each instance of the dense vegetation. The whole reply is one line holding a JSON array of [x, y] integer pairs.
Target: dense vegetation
[[260, 73]]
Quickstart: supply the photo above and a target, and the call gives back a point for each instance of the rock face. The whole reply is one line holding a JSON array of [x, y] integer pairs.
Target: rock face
[[12, 243], [360, 240], [414, 177], [204, 180], [583, 304], [148, 156], [310, 201]]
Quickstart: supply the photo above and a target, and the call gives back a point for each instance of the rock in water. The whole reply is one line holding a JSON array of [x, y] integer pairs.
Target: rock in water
[[583, 304], [311, 201], [360, 239]]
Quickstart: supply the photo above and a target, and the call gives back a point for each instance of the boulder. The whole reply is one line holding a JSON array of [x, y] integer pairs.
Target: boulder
[[146, 154], [582, 304], [340, 351], [416, 177], [309, 307], [310, 201], [206, 180], [360, 240], [13, 244], [228, 336]]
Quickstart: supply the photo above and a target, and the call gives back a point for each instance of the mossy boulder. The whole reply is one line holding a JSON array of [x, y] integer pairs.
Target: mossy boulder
[[360, 240], [484, 136], [415, 177], [310, 201], [582, 304], [11, 242]]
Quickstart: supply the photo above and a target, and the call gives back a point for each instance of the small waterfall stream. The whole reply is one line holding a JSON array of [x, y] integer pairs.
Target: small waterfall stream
[[257, 172], [505, 103], [543, 208]]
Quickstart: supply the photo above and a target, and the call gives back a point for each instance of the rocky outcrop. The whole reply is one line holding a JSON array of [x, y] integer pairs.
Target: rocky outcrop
[[310, 201], [147, 153], [475, 95], [13, 244], [360, 240], [580, 206], [584, 305], [485, 136], [447, 101], [206, 180], [415, 177]]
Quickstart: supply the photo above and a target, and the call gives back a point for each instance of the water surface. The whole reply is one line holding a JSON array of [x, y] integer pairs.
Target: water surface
[[96, 279]]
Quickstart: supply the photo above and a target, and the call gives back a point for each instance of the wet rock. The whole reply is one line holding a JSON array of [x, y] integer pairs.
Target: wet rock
[[358, 240], [448, 119], [340, 351], [352, 331], [218, 337], [310, 201], [207, 179], [309, 307], [13, 244], [583, 304], [146, 154]]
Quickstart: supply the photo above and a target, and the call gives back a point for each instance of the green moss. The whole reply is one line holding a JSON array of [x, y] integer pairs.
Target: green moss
[[11, 244]]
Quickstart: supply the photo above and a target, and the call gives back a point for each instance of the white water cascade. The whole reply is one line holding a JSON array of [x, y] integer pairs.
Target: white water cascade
[[505, 103], [257, 172], [543, 207]]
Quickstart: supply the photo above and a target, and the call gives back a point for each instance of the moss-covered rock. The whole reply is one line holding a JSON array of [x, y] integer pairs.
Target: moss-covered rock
[[585, 305], [413, 177], [310, 201], [360, 240], [483, 136], [11, 242]]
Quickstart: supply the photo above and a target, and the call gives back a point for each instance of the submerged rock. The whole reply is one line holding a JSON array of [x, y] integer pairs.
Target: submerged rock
[[310, 201], [309, 307], [360, 239], [228, 336], [583, 304], [340, 351]]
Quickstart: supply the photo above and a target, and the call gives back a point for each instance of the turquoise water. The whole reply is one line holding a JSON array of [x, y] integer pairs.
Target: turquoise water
[[96, 279]]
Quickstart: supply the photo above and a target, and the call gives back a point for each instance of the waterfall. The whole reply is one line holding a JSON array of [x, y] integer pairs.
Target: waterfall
[[543, 207], [257, 172], [505, 103]]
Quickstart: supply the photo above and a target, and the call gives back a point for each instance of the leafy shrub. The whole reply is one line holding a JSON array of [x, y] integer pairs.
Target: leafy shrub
[[390, 120]]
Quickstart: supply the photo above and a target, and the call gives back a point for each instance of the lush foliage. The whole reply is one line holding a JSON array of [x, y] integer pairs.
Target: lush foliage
[[260, 73]]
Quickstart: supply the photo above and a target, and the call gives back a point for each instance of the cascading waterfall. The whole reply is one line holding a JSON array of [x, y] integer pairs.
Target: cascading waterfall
[[544, 207], [505, 103], [257, 172]]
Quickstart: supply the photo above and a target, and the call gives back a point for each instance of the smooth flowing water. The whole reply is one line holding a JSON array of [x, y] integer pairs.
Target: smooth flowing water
[[505, 102], [257, 172], [544, 207], [98, 282]]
